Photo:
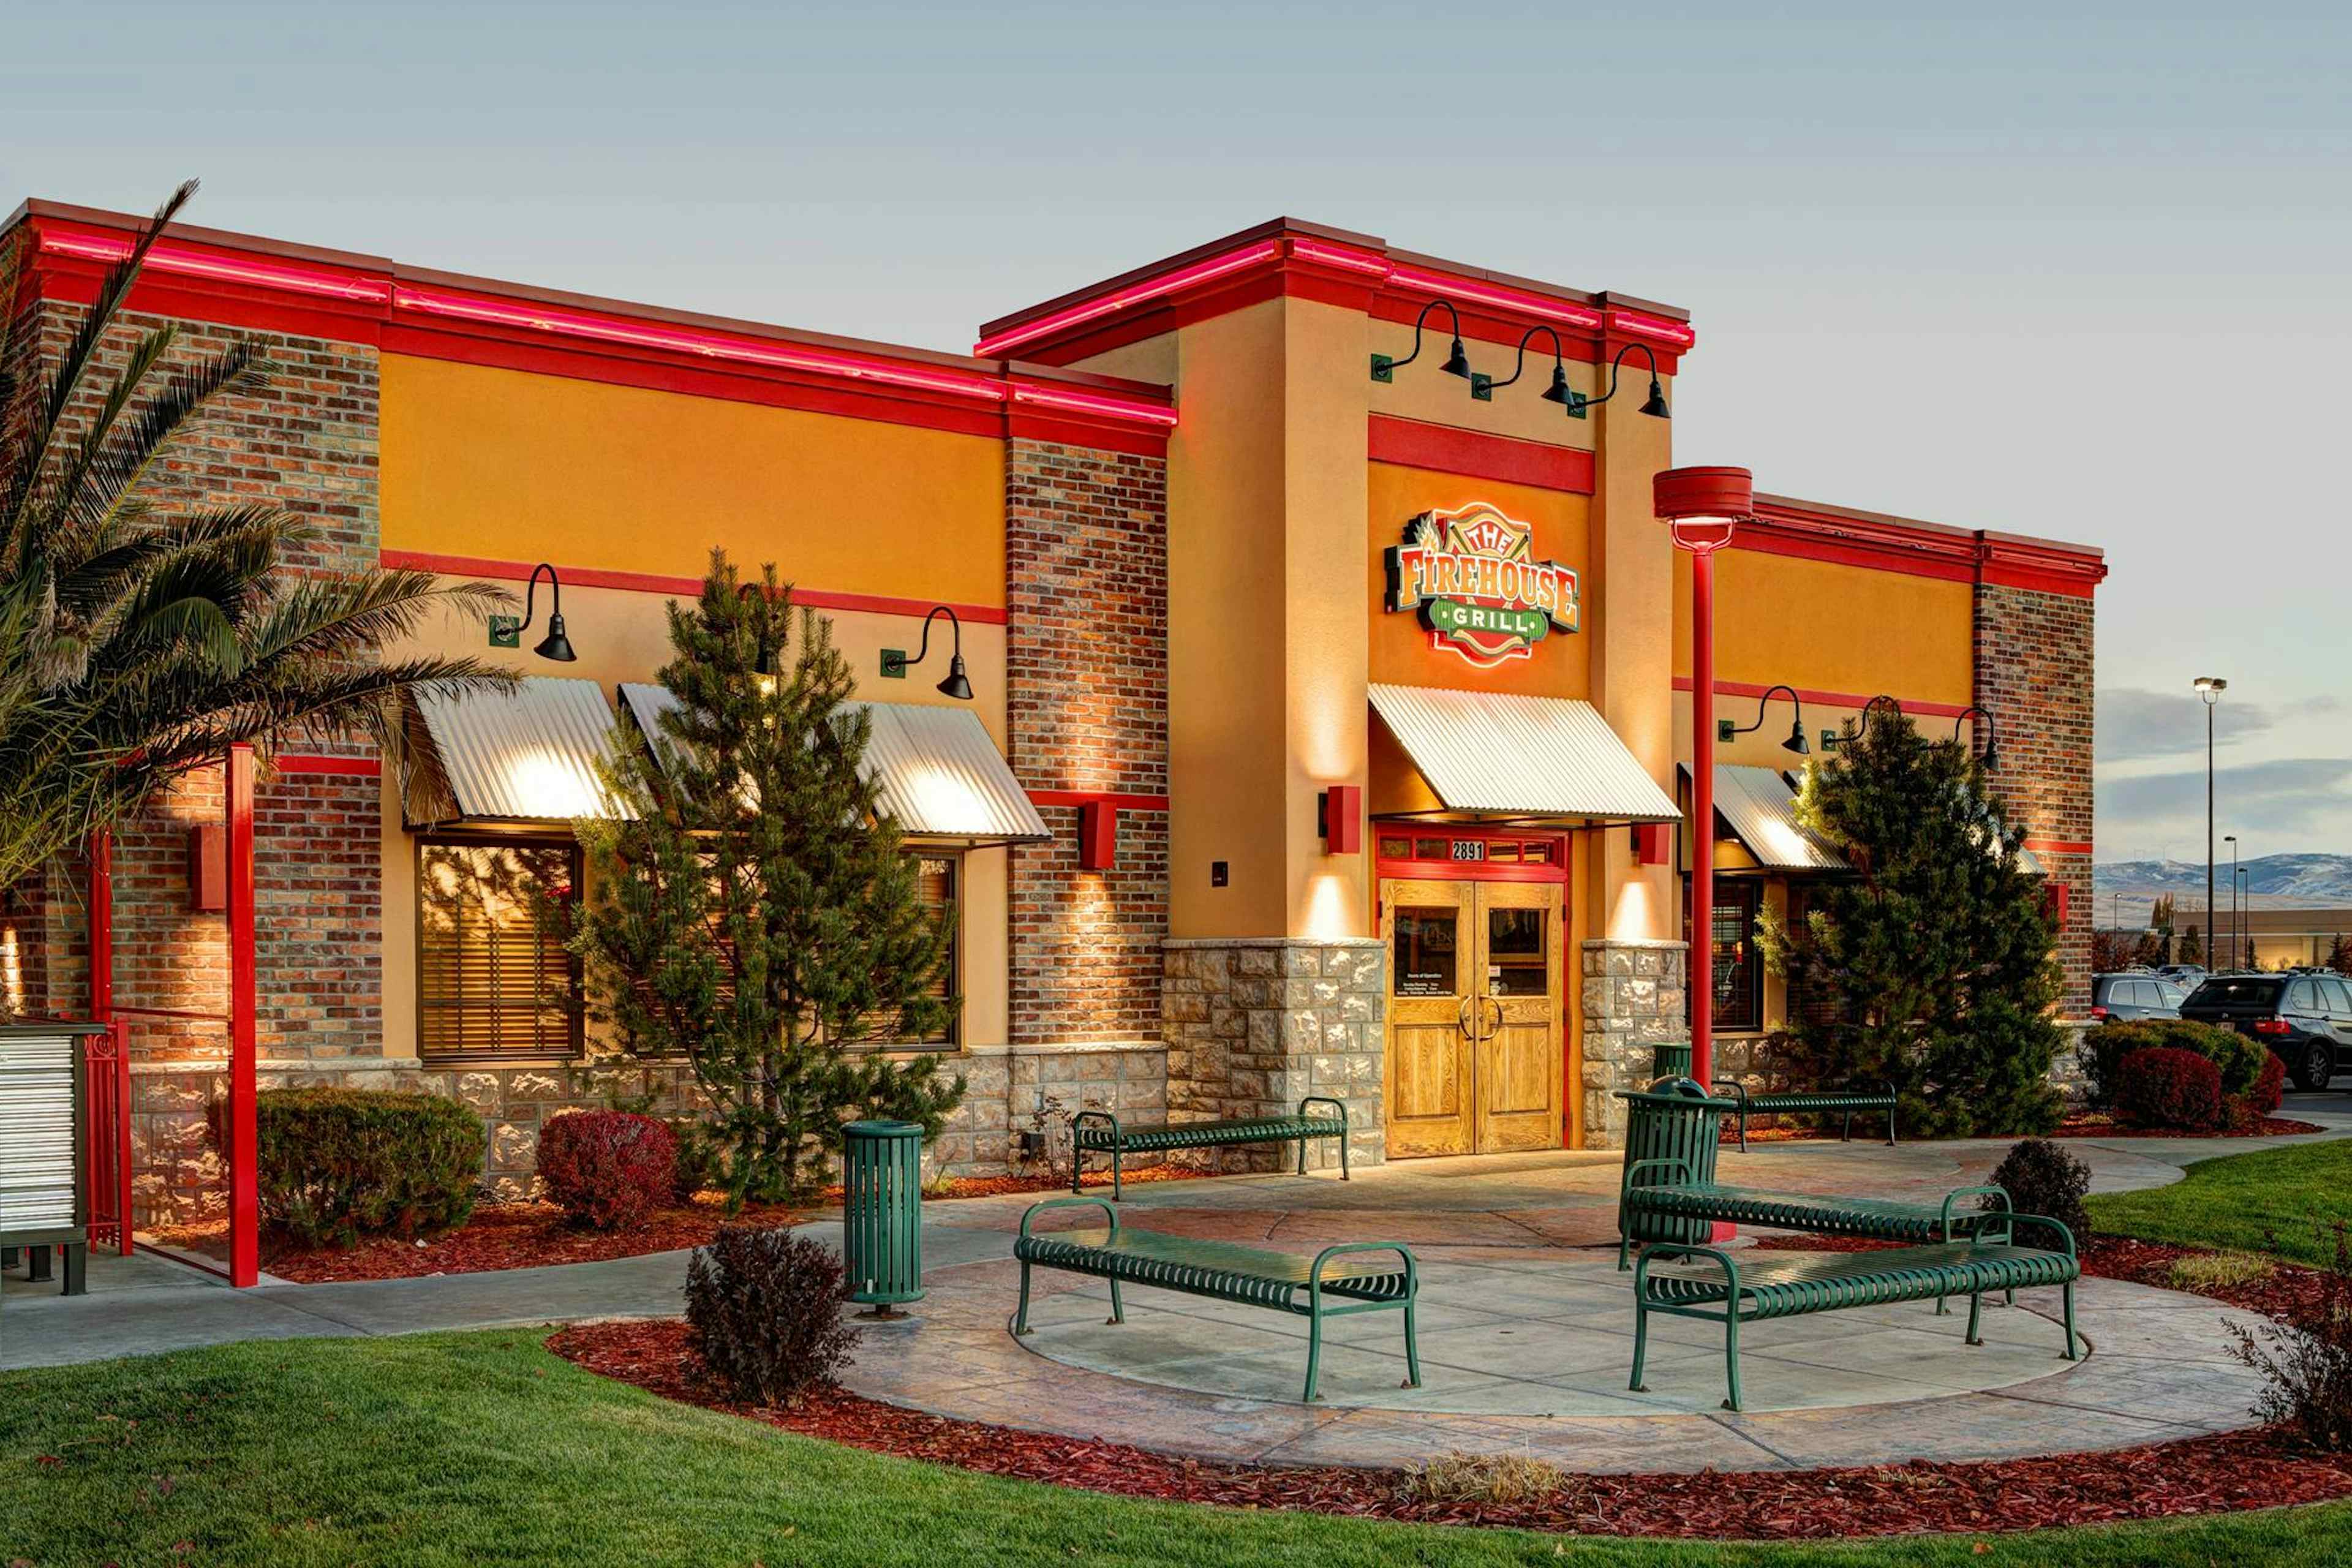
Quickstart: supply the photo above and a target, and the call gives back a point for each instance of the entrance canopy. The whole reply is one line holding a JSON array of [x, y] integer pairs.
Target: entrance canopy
[[1497, 754], [936, 771], [529, 755], [1759, 806]]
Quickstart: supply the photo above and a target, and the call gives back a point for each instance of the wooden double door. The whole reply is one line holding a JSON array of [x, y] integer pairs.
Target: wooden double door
[[1473, 1061]]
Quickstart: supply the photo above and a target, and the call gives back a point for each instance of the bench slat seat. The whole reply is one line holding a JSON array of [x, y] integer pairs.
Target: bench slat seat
[[1335, 1282], [1101, 1133], [1790, 1284], [1825, 1213], [1798, 1101]]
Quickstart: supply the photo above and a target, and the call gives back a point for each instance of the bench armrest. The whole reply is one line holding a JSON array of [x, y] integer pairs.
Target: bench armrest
[[1322, 1099], [2065, 1236], [1636, 1169], [1957, 1193], [1080, 1118], [1412, 1265], [1739, 1089], [1038, 1208], [1715, 1255]]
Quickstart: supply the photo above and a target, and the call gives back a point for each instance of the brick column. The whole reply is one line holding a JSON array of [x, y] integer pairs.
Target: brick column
[[2034, 674]]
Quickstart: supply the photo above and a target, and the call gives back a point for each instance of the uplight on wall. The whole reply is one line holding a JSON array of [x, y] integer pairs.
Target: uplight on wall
[[1339, 818]]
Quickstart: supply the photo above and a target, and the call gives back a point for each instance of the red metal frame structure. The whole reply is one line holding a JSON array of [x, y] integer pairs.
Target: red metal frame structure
[[1703, 507], [109, 1079]]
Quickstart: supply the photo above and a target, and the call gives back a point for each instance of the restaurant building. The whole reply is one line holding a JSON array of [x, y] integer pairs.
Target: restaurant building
[[1329, 707]]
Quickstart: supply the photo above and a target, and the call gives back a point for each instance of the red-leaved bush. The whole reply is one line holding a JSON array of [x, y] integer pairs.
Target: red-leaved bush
[[2165, 1087], [607, 1168]]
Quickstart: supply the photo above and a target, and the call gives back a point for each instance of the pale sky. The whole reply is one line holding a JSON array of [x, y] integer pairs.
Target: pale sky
[[2082, 275]]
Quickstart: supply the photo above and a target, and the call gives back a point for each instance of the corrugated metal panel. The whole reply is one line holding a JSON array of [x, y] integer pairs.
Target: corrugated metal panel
[[36, 1130], [530, 755], [1761, 808], [1524, 756], [938, 771]]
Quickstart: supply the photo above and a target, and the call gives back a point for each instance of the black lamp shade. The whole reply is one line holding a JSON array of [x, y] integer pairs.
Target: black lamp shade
[[1796, 742], [955, 685], [1656, 407], [1456, 362], [555, 644], [1992, 755], [1558, 391]]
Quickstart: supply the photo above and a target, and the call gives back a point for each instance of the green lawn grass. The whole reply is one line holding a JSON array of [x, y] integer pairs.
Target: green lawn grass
[[484, 1448], [2277, 1201]]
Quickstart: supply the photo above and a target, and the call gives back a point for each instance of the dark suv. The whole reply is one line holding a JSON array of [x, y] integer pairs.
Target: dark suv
[[2304, 1019], [2118, 998]]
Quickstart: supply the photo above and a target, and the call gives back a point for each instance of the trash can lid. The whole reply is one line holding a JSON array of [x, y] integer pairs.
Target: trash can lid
[[883, 1129]]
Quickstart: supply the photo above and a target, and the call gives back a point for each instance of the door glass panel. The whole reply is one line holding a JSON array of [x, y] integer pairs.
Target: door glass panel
[[1424, 961], [1519, 962]]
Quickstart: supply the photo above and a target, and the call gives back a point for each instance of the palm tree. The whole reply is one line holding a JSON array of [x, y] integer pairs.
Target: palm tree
[[136, 644]]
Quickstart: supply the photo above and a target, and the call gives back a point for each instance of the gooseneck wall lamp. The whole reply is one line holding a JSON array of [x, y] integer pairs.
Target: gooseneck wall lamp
[[1484, 387], [895, 662], [507, 632], [1726, 730], [1992, 742], [1456, 362], [1654, 406]]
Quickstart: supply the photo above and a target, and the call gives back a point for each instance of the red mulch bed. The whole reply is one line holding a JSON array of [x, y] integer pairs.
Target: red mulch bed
[[2075, 1124], [2199, 1475]]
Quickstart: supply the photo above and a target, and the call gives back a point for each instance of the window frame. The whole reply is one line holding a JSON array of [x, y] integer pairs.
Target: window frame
[[575, 1026], [1749, 890]]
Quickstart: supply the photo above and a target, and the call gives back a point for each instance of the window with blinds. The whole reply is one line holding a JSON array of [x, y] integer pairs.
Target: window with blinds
[[937, 876], [1808, 1004], [493, 978], [1738, 977]]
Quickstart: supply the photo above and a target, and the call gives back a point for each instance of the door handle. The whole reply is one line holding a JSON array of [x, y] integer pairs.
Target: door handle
[[1462, 1020], [1498, 1019]]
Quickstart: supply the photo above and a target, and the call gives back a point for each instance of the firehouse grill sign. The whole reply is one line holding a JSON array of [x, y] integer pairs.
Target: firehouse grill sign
[[1473, 576]]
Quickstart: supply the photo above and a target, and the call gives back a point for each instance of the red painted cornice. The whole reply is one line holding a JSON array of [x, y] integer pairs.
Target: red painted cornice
[[1818, 532], [1289, 258], [244, 281]]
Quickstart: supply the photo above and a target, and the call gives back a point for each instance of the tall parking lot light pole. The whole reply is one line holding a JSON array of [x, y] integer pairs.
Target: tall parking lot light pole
[[2232, 840], [2210, 688], [1702, 507]]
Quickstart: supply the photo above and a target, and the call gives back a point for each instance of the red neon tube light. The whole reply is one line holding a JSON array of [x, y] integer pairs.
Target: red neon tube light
[[1639, 324], [1092, 403], [1120, 299], [1462, 289], [166, 257]]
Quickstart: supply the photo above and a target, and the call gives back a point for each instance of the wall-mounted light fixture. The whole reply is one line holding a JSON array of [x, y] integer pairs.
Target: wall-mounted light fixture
[[1339, 818], [1484, 387], [1654, 406], [895, 662], [1724, 730], [1098, 835], [1456, 362], [1833, 739], [1992, 751], [1653, 843], [507, 632]]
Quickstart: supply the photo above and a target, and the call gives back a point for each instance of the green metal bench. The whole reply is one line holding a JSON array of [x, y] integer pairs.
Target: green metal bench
[[1755, 1287], [1828, 1100], [1226, 1272], [1668, 1195], [1100, 1132]]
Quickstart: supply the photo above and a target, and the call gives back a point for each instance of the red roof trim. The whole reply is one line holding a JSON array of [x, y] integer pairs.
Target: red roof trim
[[1877, 542], [1477, 454]]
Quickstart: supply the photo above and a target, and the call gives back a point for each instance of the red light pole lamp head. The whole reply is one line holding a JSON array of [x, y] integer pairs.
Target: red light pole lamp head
[[1703, 505]]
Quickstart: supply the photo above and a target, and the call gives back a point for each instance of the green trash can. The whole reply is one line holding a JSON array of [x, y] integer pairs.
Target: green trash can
[[1670, 1120], [882, 1214], [1673, 1058]]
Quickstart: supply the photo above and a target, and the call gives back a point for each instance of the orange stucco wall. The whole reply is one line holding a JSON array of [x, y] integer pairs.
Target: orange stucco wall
[[479, 462], [1827, 627]]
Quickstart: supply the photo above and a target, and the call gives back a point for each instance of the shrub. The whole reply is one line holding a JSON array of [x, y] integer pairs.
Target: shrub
[[607, 1168], [2042, 1178], [336, 1164], [2103, 1048], [2268, 1090], [701, 1159], [2164, 1087], [763, 1306], [2307, 1361], [1456, 1477]]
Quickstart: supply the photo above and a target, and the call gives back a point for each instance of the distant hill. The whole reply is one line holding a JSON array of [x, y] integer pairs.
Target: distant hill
[[2273, 881]]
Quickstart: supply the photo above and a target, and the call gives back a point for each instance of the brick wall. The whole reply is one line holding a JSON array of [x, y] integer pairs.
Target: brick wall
[[2034, 675], [1086, 669]]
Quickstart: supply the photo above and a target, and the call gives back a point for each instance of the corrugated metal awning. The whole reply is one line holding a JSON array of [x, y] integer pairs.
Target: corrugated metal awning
[[1760, 806], [1494, 753], [938, 771], [529, 755]]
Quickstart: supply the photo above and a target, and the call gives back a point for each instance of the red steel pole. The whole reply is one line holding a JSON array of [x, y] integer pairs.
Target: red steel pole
[[1702, 817], [244, 1178]]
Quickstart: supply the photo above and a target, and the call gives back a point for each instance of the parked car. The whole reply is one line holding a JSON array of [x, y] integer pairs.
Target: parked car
[[2304, 1019], [2135, 994], [2186, 974]]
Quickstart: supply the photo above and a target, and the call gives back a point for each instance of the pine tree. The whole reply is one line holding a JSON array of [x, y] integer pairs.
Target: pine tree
[[2192, 945], [1937, 952], [2339, 954], [753, 912]]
